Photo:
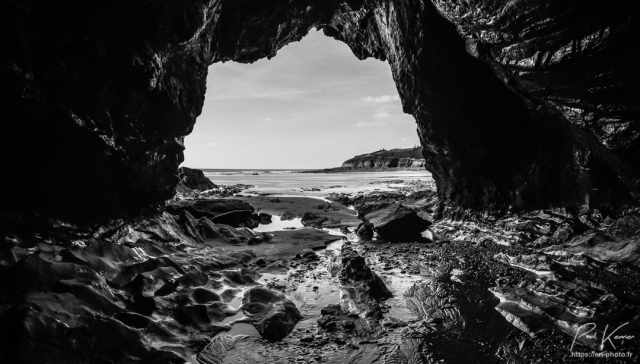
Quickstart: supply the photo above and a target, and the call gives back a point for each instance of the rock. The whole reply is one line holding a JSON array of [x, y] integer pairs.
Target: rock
[[51, 314], [310, 256], [307, 339], [266, 236], [255, 240], [310, 219], [242, 349], [459, 276], [565, 300], [534, 313], [195, 179], [194, 278], [331, 310], [327, 323], [209, 208], [99, 101], [355, 271], [271, 313], [392, 322], [394, 222], [261, 262], [241, 276], [288, 215], [365, 229], [625, 226], [131, 124], [264, 218], [604, 247], [563, 233], [203, 295], [236, 219], [362, 289], [226, 233], [395, 159], [324, 320]]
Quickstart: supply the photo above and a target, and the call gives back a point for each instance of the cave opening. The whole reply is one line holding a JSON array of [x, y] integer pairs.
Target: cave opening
[[312, 106]]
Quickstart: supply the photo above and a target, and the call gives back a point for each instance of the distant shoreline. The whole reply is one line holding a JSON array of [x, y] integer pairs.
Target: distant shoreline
[[358, 170], [309, 170]]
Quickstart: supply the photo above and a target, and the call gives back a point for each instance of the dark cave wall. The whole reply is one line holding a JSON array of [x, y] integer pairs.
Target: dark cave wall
[[555, 128], [519, 105], [96, 100]]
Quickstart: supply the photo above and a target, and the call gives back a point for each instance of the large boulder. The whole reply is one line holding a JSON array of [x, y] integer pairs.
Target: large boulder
[[362, 289], [195, 179], [394, 222], [271, 313]]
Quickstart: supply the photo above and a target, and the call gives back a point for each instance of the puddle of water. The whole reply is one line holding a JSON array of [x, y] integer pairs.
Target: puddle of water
[[334, 231], [236, 301], [242, 329], [232, 318], [278, 225], [269, 276], [316, 293], [238, 328], [312, 289], [398, 283]]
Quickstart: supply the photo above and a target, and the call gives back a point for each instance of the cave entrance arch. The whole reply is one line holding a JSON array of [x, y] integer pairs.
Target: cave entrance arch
[[100, 98], [312, 106]]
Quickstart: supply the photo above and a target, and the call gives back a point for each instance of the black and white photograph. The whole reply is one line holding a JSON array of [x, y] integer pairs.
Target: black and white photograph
[[319, 181]]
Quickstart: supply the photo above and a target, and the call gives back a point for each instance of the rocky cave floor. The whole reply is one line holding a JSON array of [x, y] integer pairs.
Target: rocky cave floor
[[199, 285]]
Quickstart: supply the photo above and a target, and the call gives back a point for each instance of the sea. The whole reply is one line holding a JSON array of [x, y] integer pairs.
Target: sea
[[290, 182]]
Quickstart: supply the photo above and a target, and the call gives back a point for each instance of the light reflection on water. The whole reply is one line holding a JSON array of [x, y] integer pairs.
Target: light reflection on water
[[277, 224]]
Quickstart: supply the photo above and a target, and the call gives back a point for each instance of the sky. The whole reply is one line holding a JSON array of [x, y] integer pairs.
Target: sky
[[314, 105]]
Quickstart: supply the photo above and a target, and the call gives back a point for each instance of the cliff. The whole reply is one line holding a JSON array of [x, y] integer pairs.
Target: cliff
[[408, 159], [518, 105]]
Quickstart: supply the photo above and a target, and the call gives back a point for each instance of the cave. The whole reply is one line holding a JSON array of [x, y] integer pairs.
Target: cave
[[517, 113], [522, 107]]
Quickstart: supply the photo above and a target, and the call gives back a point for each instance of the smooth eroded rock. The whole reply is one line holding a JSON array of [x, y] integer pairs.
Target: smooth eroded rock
[[195, 179], [394, 222], [271, 313]]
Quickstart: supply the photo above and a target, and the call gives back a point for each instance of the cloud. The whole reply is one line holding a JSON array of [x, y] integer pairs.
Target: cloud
[[216, 144], [369, 123], [267, 119], [382, 114], [381, 99], [403, 139]]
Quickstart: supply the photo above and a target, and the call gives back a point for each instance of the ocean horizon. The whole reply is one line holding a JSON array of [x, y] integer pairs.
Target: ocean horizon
[[289, 182]]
